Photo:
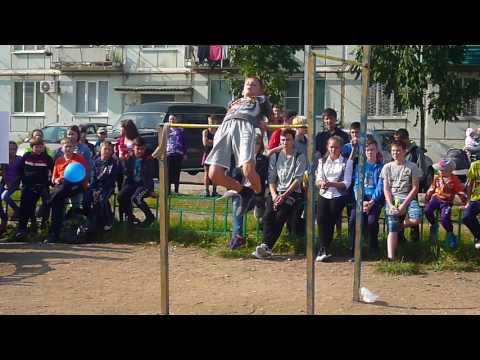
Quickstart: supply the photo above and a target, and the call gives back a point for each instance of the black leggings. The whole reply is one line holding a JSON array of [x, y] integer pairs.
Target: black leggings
[[174, 163], [328, 212]]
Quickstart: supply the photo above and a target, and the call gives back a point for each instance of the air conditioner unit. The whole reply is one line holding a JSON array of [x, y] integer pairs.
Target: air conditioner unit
[[48, 86]]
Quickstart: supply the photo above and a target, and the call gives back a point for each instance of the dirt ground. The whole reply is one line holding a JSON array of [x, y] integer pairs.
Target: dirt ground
[[125, 279]]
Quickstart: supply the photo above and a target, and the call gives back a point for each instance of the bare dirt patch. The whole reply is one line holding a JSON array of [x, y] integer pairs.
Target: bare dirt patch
[[125, 279]]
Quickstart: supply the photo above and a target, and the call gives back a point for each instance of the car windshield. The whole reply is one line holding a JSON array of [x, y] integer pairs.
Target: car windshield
[[141, 120], [54, 134]]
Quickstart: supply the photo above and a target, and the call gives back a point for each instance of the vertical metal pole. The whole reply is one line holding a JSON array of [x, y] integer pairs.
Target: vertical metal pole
[[309, 73], [361, 173], [164, 219]]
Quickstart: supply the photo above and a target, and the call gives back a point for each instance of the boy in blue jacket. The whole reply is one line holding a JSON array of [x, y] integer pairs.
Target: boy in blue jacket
[[373, 198], [105, 173]]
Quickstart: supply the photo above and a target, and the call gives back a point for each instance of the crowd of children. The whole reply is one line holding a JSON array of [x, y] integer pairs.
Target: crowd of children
[[235, 157], [40, 174]]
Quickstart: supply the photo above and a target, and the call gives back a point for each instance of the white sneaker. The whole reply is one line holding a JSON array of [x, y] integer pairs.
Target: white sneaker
[[477, 244], [262, 252], [228, 194], [323, 257], [107, 227]]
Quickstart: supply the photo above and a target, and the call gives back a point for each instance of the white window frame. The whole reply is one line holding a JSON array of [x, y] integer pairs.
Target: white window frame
[[476, 115], [33, 51], [378, 115], [86, 112], [23, 112], [157, 48], [299, 97]]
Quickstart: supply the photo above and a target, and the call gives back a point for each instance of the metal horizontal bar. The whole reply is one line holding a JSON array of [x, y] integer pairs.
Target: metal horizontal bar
[[335, 58], [205, 126]]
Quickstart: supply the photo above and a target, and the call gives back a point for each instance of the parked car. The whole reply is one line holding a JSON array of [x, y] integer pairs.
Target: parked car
[[54, 133], [385, 137], [150, 117]]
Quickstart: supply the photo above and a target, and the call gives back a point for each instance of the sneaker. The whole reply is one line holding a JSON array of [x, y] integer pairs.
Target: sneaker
[[215, 194], [262, 252], [237, 242], [246, 198], [107, 227], [228, 194], [20, 235], [133, 221], [433, 233], [476, 244], [323, 256], [206, 194], [351, 260], [451, 241]]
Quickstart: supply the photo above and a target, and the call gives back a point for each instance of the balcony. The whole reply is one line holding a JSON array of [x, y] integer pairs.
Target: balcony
[[85, 58], [198, 62]]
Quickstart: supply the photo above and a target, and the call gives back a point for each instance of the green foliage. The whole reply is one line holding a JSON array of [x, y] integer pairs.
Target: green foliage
[[398, 268], [272, 63], [413, 73]]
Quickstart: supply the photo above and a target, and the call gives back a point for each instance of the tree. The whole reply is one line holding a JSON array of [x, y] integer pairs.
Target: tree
[[271, 63], [422, 78]]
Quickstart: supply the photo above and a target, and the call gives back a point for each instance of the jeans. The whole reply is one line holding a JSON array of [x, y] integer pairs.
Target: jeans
[[174, 163], [28, 203], [133, 193], [273, 220], [105, 212], [371, 219], [470, 218], [57, 203], [237, 226], [445, 213], [6, 196]]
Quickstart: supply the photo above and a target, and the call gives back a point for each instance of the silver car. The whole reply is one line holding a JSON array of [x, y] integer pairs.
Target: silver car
[[55, 132]]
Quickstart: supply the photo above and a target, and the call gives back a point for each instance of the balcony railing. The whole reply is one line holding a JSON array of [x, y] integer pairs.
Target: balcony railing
[[86, 58], [195, 60]]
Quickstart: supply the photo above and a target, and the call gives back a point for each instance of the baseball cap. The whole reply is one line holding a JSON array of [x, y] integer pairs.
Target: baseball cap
[[101, 130], [445, 165]]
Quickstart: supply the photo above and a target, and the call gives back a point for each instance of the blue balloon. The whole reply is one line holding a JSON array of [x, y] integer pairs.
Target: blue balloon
[[74, 172]]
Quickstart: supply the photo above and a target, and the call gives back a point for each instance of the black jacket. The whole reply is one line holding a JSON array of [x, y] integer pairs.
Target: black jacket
[[35, 169], [105, 173], [147, 171]]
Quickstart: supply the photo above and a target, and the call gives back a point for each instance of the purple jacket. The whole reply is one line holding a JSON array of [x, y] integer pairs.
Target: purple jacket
[[176, 142], [11, 172]]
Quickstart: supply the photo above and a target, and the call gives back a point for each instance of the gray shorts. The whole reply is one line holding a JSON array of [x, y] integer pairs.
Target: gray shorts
[[233, 136]]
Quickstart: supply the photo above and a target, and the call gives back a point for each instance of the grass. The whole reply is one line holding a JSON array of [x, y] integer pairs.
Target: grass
[[196, 230]]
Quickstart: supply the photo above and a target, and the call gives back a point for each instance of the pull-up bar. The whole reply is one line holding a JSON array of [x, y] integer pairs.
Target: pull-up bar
[[310, 58]]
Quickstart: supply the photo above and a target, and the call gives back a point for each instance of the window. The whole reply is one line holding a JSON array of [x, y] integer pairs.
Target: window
[[27, 97], [28, 47], [380, 104], [158, 47], [473, 107], [91, 96], [294, 96]]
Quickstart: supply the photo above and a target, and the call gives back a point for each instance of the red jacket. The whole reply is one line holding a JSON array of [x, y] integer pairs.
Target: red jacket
[[61, 163]]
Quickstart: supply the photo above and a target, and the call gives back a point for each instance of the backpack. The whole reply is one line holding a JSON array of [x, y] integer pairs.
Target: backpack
[[76, 227]]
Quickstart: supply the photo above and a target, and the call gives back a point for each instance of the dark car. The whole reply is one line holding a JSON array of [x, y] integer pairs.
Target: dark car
[[150, 116], [54, 133]]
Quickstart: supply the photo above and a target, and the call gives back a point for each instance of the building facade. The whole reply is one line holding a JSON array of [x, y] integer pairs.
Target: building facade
[[98, 83]]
